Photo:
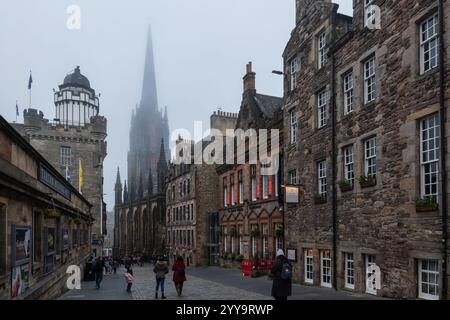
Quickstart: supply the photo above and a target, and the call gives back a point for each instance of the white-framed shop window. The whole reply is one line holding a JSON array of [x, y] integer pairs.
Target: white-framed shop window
[[370, 279], [349, 268], [429, 279], [309, 266], [325, 268]]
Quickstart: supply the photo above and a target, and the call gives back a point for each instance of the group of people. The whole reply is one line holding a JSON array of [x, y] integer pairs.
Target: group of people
[[161, 269], [281, 273]]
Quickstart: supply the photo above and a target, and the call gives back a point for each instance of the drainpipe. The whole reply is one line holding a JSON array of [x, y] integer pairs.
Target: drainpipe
[[333, 153], [442, 114]]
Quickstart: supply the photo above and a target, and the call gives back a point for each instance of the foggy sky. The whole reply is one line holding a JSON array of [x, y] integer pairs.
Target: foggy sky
[[201, 49]]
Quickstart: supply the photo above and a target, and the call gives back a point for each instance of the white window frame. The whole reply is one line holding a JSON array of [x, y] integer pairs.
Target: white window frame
[[225, 192], [265, 186], [293, 120], [370, 157], [369, 12], [294, 73], [370, 81], [370, 260], [66, 156], [322, 49], [241, 239], [326, 276], [322, 109], [349, 173], [293, 177], [309, 266], [241, 186], [233, 202], [225, 238], [349, 269], [322, 177], [253, 182], [424, 283], [429, 156], [429, 44], [348, 93], [265, 247], [254, 247]]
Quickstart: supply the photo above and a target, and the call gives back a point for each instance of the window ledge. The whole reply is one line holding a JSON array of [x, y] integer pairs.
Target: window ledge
[[427, 74], [370, 104]]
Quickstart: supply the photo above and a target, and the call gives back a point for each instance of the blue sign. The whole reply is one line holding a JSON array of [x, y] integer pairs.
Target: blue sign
[[97, 242]]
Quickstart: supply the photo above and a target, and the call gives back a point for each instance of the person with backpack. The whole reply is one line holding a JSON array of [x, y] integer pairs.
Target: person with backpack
[[282, 277], [98, 268], [161, 269], [129, 278], [179, 274]]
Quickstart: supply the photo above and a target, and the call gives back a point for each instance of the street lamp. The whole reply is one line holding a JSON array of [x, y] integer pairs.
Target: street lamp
[[280, 73]]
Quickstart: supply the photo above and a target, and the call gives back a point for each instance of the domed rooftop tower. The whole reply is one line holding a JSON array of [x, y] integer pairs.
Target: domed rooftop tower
[[76, 102]]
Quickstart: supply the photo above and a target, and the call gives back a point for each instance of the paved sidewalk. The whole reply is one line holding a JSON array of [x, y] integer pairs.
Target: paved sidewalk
[[204, 283], [113, 287]]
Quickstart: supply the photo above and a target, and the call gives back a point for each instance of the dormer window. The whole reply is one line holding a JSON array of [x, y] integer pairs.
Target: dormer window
[[369, 13]]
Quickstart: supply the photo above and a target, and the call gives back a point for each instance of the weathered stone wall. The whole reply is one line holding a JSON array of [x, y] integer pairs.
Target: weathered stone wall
[[381, 220]]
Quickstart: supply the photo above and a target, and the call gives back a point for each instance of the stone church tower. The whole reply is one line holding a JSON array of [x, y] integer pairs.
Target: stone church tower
[[149, 126]]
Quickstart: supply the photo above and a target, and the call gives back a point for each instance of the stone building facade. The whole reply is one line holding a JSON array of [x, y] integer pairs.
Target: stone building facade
[[139, 215], [45, 223], [365, 117], [192, 191], [77, 134], [140, 221], [250, 211]]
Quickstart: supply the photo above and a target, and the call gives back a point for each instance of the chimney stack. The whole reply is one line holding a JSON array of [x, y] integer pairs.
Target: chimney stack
[[250, 80]]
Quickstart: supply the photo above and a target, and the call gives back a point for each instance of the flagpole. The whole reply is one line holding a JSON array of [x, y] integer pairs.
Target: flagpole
[[29, 87], [16, 110]]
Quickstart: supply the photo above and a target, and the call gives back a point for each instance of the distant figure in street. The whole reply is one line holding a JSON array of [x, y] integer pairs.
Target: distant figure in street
[[282, 277], [129, 278], [98, 268], [161, 269], [115, 265], [179, 274]]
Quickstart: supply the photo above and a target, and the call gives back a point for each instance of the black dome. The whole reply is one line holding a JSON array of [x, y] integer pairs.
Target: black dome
[[77, 79]]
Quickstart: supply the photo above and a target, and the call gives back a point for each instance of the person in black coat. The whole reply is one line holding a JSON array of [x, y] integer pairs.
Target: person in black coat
[[281, 288]]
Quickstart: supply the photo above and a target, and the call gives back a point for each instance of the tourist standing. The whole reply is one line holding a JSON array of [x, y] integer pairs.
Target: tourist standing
[[161, 269], [129, 278], [98, 271], [282, 277]]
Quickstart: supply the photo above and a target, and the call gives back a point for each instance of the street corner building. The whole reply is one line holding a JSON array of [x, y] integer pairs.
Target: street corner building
[[366, 142], [139, 211], [192, 199], [45, 223], [250, 213], [74, 143]]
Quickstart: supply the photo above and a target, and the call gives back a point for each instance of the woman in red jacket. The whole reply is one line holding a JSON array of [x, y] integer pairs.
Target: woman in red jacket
[[179, 274]]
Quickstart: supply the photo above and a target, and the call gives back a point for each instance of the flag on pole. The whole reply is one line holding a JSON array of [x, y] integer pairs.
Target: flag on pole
[[17, 109], [68, 177], [80, 178], [30, 81]]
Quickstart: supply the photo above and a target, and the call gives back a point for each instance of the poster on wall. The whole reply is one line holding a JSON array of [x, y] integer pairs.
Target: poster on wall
[[292, 254], [19, 280], [50, 240], [65, 237], [21, 245]]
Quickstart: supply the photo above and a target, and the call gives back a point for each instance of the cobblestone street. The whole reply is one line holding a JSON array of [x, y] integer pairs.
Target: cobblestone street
[[208, 283]]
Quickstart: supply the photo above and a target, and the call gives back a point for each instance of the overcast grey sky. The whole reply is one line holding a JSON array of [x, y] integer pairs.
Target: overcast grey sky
[[201, 48]]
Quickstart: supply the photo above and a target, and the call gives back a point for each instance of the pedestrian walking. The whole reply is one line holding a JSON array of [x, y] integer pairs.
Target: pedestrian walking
[[179, 274], [98, 268], [161, 269], [282, 277], [129, 277], [115, 265]]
